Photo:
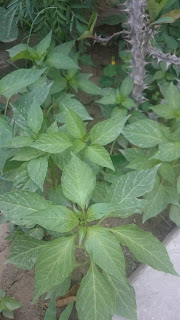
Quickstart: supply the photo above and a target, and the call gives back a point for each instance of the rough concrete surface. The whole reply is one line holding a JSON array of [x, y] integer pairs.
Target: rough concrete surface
[[158, 293]]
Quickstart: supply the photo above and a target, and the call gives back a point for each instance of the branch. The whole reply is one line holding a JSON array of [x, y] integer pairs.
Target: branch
[[97, 38], [165, 57]]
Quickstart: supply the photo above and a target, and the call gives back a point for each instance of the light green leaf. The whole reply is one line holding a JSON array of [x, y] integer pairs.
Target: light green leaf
[[88, 86], [17, 80], [168, 151], [107, 131], [8, 28], [99, 210], [132, 185], [108, 99], [54, 218], [19, 142], [24, 252], [125, 297], [22, 180], [174, 214], [141, 162], [54, 264], [126, 87], [144, 133], [37, 170], [57, 197], [99, 155], [166, 170], [26, 154], [78, 181], [67, 312], [55, 142], [9, 304], [145, 247], [100, 300], [16, 204], [44, 44], [60, 61], [75, 126], [128, 103], [35, 117], [60, 290], [78, 145], [64, 48], [105, 251], [37, 233]]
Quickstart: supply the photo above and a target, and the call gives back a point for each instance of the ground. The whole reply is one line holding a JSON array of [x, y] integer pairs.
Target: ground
[[18, 283]]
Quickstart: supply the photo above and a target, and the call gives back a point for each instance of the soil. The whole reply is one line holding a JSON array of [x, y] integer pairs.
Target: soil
[[18, 283]]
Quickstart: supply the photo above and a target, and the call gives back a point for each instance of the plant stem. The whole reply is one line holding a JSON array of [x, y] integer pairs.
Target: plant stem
[[6, 107]]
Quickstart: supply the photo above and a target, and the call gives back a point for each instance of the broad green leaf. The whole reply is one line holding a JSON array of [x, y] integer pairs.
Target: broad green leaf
[[100, 300], [24, 252], [144, 133], [132, 185], [99, 210], [17, 80], [157, 201], [145, 247], [68, 102], [128, 103], [60, 290], [9, 304], [107, 131], [35, 117], [64, 48], [99, 155], [166, 170], [54, 218], [54, 264], [108, 99], [78, 145], [125, 297], [78, 181], [61, 159], [23, 181], [168, 151], [22, 51], [67, 312], [44, 44], [57, 197], [173, 15], [8, 28], [55, 142], [51, 311], [19, 142], [60, 61], [75, 126], [126, 87], [141, 162], [37, 233], [16, 204], [174, 214], [26, 154], [88, 86], [105, 251], [37, 170]]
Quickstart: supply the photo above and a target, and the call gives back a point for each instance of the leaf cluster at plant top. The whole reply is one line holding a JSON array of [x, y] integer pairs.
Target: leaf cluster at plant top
[[47, 142], [8, 305]]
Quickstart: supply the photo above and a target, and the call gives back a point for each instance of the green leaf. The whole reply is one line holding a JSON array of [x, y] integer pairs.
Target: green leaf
[[37, 170], [100, 301], [37, 233], [105, 251], [75, 126], [51, 311], [44, 44], [24, 252], [19, 142], [99, 210], [54, 218], [128, 187], [166, 170], [60, 290], [22, 180], [78, 181], [15, 81], [141, 162], [174, 214], [125, 297], [145, 247], [55, 142], [54, 264], [108, 99], [64, 48], [158, 200], [9, 304], [8, 28], [88, 86], [16, 204], [67, 312], [144, 133], [126, 87], [26, 154], [178, 184], [99, 155], [60, 61], [128, 103], [35, 117], [107, 131], [168, 151]]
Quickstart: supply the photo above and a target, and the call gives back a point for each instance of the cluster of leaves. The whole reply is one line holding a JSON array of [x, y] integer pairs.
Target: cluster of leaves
[[48, 142], [66, 18], [8, 305]]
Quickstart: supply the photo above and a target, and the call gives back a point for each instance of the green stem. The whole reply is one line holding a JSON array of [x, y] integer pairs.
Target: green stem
[[112, 147], [102, 219], [6, 107]]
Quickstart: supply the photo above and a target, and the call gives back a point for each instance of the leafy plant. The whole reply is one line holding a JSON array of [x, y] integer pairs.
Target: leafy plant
[[48, 143], [8, 305]]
